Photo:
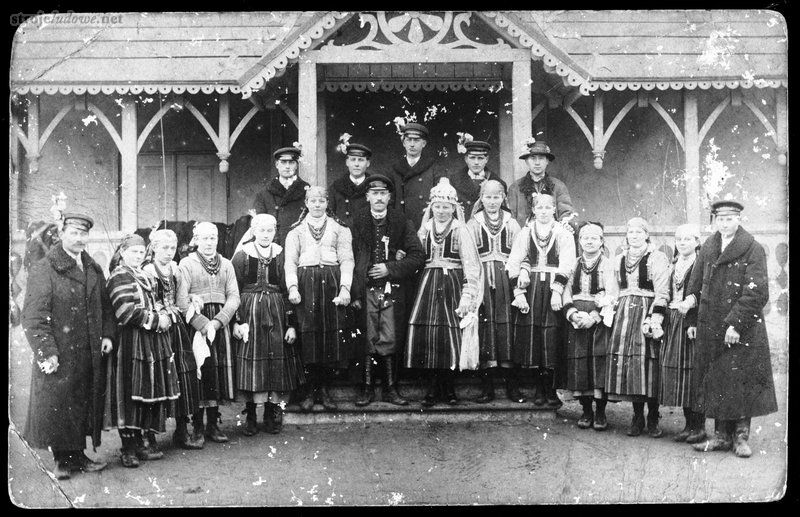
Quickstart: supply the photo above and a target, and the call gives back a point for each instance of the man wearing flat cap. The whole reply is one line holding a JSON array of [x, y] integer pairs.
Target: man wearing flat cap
[[523, 192], [347, 193], [732, 369], [468, 180], [69, 323], [284, 195], [381, 281], [414, 174]]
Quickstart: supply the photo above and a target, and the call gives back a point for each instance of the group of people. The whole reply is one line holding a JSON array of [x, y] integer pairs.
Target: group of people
[[442, 272]]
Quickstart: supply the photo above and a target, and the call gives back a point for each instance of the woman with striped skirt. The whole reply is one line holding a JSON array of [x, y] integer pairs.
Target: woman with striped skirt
[[589, 298], [208, 297], [493, 229], [677, 354], [268, 366], [142, 377], [541, 259], [448, 290], [164, 275], [319, 272], [632, 363]]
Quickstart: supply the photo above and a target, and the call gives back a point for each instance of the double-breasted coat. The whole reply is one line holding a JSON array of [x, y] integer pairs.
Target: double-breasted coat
[[469, 190], [346, 199], [282, 203], [402, 273], [412, 186], [67, 313], [732, 288], [521, 195]]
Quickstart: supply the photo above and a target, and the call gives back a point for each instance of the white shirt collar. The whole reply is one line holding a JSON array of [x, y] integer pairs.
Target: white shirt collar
[[75, 257], [412, 161], [358, 181], [377, 215], [287, 182], [480, 176]]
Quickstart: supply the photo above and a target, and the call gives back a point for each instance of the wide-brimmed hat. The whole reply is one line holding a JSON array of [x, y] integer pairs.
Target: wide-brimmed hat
[[538, 147]]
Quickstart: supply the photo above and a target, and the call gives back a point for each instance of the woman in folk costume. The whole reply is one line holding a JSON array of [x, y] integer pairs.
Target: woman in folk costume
[[493, 229], [449, 290], [165, 276], [319, 272], [208, 296], [541, 259], [268, 366], [632, 364], [677, 352], [589, 298], [142, 377]]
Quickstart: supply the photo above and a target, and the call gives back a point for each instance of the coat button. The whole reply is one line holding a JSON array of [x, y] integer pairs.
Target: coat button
[[346, 200], [420, 197], [729, 282], [420, 179], [276, 208], [347, 213], [729, 300], [403, 202]]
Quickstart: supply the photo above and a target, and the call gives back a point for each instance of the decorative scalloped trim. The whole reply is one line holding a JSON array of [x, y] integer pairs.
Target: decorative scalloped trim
[[128, 88], [413, 86], [552, 64], [292, 52], [679, 85]]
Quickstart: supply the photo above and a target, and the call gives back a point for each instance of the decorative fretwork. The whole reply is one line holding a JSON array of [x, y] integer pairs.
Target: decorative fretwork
[[413, 29]]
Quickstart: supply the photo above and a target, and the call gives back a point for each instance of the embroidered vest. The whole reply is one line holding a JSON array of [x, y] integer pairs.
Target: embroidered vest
[[644, 282]]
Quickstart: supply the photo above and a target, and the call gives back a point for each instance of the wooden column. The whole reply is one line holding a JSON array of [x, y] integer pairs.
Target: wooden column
[[33, 133], [692, 158], [307, 119], [521, 108], [128, 193], [13, 174], [506, 136], [224, 132], [322, 139], [781, 125]]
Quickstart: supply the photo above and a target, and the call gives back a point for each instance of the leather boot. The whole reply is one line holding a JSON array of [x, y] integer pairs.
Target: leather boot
[[549, 386], [308, 401], [181, 437], [432, 392], [652, 420], [512, 386], [688, 417], [152, 447], [143, 452], [368, 390], [128, 451], [538, 383], [448, 387], [61, 467], [721, 440], [212, 428], [273, 418], [741, 435], [600, 422], [390, 393], [198, 431], [85, 464], [487, 388], [587, 418], [698, 433], [637, 422], [251, 424], [327, 400]]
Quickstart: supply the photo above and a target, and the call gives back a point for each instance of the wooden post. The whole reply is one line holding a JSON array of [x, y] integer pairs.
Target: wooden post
[[599, 147], [506, 136], [521, 108], [13, 174], [322, 141], [307, 118], [33, 133], [224, 132], [782, 122], [128, 193], [692, 158]]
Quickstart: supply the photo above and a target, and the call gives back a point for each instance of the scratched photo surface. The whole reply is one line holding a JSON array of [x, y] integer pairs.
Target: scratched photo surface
[[161, 120]]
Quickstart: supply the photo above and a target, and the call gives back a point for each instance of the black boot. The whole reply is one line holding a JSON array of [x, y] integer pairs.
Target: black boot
[[212, 428], [432, 392], [637, 422], [698, 433], [652, 420], [368, 390], [512, 386], [538, 384], [740, 436], [327, 399], [153, 451], [273, 418], [487, 387], [688, 418], [181, 437], [62, 465], [198, 431], [143, 452], [389, 390], [600, 422], [251, 424], [128, 451], [448, 387], [550, 393], [587, 418], [310, 390]]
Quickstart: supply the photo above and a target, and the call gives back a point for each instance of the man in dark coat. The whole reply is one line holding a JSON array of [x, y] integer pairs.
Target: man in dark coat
[[523, 192], [285, 194], [69, 323], [380, 284], [468, 180], [348, 192], [732, 361], [413, 175]]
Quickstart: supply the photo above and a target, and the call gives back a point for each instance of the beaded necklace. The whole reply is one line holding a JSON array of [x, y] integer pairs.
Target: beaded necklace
[[212, 265], [261, 258], [317, 233], [438, 238], [589, 268], [681, 266], [166, 280], [631, 266], [543, 241], [495, 226]]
